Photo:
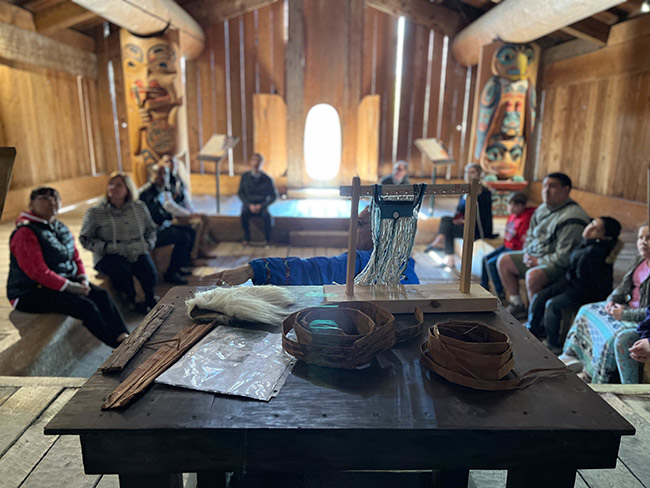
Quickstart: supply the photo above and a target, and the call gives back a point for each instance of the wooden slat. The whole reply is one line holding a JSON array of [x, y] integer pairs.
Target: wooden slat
[[264, 50], [20, 410], [206, 83], [270, 137], [6, 392], [419, 68], [434, 16], [368, 137], [50, 381], [387, 32], [61, 16], [614, 60], [629, 30], [293, 56], [633, 450], [193, 119], [23, 456], [137, 382], [66, 451], [213, 12], [250, 62], [278, 81], [73, 38], [123, 354], [115, 56], [18, 45], [370, 42], [14, 15], [434, 88], [103, 107], [590, 30], [236, 118], [404, 137]]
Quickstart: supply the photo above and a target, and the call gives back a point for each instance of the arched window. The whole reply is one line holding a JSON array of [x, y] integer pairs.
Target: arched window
[[322, 147]]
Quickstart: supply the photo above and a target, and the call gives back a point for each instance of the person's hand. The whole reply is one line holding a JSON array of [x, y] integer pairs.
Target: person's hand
[[616, 311], [609, 306], [640, 350], [77, 288], [458, 221], [235, 276], [83, 279], [530, 261]]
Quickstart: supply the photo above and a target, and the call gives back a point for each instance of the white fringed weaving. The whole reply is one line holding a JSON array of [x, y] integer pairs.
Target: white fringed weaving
[[263, 304], [392, 240]]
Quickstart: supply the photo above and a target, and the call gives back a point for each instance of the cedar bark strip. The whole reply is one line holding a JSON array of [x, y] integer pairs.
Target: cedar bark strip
[[163, 358], [123, 354]]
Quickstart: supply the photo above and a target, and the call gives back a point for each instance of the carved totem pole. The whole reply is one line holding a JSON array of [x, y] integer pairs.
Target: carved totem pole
[[507, 109], [152, 83]]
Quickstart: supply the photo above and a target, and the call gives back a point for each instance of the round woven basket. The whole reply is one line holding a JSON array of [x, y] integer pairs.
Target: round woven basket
[[471, 354], [342, 336]]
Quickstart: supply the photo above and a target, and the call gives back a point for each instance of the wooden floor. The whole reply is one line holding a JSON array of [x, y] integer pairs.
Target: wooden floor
[[29, 459]]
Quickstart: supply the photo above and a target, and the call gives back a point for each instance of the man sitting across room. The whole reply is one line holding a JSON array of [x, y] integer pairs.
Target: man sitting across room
[[318, 270], [256, 191], [555, 229], [157, 197], [399, 176]]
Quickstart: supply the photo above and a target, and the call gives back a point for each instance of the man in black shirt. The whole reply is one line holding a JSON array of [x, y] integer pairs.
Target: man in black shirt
[[256, 191]]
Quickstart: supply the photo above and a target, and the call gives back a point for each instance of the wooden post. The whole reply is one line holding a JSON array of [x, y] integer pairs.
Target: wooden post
[[471, 207], [7, 157], [352, 239]]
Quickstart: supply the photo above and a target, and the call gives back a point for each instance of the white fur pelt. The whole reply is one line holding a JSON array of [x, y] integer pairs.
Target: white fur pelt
[[263, 304]]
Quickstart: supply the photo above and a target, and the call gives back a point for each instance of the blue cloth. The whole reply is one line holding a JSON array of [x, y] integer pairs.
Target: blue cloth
[[319, 270]]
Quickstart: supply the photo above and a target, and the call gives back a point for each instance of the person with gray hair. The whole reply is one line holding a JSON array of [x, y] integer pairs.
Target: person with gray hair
[[399, 176]]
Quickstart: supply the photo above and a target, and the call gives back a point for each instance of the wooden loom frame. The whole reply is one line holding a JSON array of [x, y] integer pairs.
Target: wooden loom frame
[[440, 298]]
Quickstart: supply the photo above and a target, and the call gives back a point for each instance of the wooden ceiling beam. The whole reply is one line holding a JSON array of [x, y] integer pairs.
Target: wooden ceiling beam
[[521, 21], [609, 18], [590, 30], [437, 17], [211, 12], [60, 17]]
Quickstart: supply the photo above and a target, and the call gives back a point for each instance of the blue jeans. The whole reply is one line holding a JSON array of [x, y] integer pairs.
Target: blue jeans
[[489, 270]]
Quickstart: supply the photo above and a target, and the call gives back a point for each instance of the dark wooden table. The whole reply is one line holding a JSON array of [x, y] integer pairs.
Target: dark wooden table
[[392, 415]]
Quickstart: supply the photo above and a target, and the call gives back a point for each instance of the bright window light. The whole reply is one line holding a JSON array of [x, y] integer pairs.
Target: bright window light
[[322, 142], [398, 83]]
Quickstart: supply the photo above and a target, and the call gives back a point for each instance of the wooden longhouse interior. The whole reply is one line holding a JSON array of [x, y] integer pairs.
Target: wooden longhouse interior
[[326, 91]]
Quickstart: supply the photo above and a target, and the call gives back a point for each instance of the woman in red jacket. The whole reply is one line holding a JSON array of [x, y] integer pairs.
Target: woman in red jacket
[[46, 274]]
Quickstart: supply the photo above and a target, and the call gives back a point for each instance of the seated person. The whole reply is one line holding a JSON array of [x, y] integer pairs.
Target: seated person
[[311, 271], [199, 222], [555, 229], [515, 234], [159, 201], [588, 279], [46, 274], [451, 227], [256, 192], [399, 176], [639, 351], [601, 328], [120, 233]]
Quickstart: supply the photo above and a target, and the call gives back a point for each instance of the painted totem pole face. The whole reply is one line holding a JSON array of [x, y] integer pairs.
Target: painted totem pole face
[[511, 61], [150, 67], [503, 155]]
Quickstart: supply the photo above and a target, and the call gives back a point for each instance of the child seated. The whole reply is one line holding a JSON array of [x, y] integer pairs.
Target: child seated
[[516, 229], [588, 279]]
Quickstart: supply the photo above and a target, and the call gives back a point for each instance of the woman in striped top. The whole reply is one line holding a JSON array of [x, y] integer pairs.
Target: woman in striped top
[[120, 232]]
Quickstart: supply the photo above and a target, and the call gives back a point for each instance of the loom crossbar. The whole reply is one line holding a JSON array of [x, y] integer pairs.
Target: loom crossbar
[[406, 190]]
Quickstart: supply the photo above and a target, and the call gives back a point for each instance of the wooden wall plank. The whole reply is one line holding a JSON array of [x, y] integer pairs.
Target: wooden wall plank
[[250, 75], [386, 53], [6, 392], [264, 48], [433, 130], [417, 164], [269, 112], [19, 45], [369, 51], [219, 80], [206, 84], [235, 93], [103, 107], [14, 15], [192, 102], [294, 56], [404, 136], [278, 83]]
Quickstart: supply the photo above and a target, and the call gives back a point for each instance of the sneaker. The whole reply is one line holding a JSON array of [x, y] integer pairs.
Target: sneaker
[[517, 311], [571, 362], [175, 279]]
